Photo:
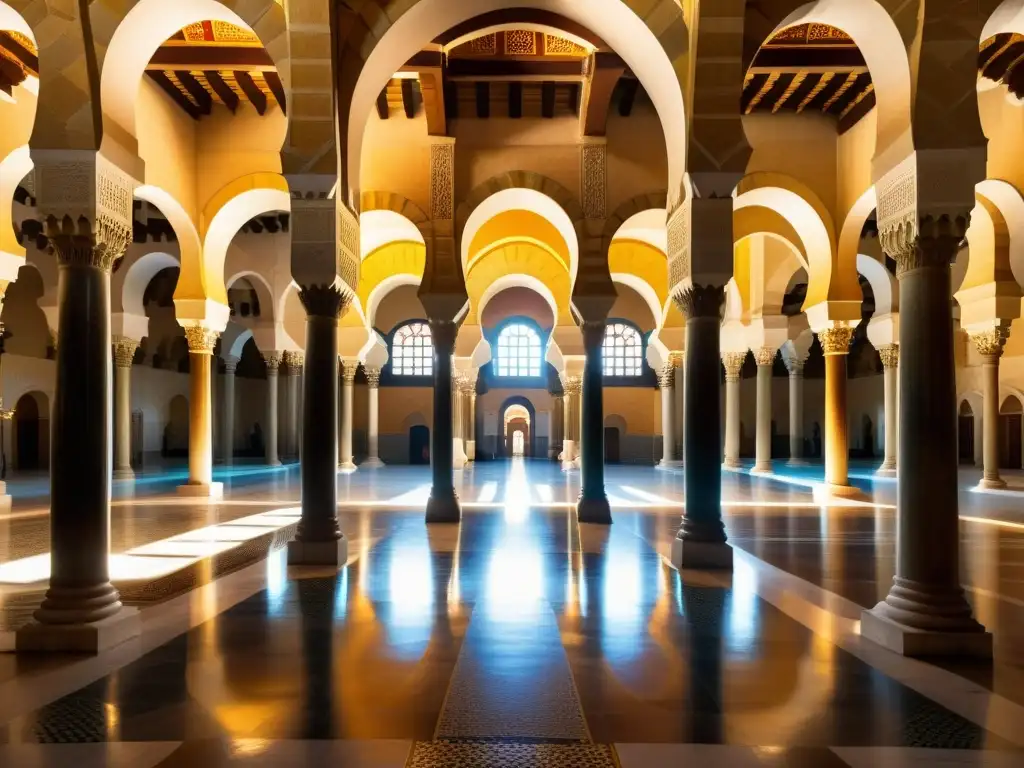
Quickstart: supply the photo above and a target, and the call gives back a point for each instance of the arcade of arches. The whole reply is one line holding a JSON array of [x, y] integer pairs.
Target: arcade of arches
[[699, 240]]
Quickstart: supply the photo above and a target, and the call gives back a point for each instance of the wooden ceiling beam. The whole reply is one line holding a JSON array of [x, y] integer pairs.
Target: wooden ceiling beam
[[408, 98], [382, 104], [276, 87], [515, 100], [222, 89], [605, 71], [201, 58], [483, 100], [196, 90], [547, 100], [435, 101], [627, 97], [804, 57], [28, 59], [11, 74], [179, 98], [479, 69], [251, 91]]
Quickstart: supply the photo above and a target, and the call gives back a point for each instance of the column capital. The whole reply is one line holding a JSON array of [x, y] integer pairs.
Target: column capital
[[700, 301], [443, 334], [273, 362], [329, 301], [666, 376], [573, 385], [348, 371], [890, 354], [201, 341], [372, 377], [593, 334], [733, 362], [794, 366], [230, 365], [935, 245], [124, 351], [293, 362], [764, 356], [836, 340], [676, 359]]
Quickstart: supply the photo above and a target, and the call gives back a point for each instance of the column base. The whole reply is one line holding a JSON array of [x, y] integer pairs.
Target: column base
[[202, 490], [594, 511], [832, 491], [669, 464], [124, 474], [701, 555], [568, 465], [332, 553], [577, 463], [5, 498], [275, 463], [886, 469], [471, 450], [346, 467], [91, 637], [910, 641], [763, 469], [991, 484], [444, 509], [732, 464], [372, 463]]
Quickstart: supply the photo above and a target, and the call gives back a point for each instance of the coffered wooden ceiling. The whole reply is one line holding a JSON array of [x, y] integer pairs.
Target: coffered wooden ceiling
[[19, 59], [810, 67], [214, 62]]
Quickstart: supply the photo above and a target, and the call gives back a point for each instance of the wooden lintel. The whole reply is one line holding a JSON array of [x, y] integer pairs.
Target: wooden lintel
[[200, 58], [195, 89], [28, 59], [251, 91], [547, 100], [222, 89], [483, 100], [515, 100], [605, 72], [408, 98], [277, 88], [435, 101]]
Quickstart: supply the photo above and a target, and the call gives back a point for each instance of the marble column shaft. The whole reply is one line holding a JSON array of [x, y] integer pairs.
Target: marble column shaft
[[373, 418], [228, 426], [890, 355], [990, 346], [765, 358], [796, 410], [678, 405], [443, 504], [201, 342], [593, 506], [273, 361], [665, 381], [294, 362], [733, 362], [835, 343], [349, 368], [124, 352]]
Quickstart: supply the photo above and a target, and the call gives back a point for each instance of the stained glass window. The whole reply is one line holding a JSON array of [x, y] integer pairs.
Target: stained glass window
[[412, 351], [623, 350], [519, 352]]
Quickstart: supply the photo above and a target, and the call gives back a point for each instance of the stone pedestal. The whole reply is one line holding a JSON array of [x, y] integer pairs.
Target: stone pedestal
[[318, 539], [701, 540], [765, 357], [124, 353], [733, 362], [925, 612], [443, 504], [201, 342], [593, 506], [92, 637]]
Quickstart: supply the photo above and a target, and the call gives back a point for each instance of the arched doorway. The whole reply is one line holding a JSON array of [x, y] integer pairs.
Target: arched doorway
[[175, 437], [1011, 422], [965, 430], [517, 420], [31, 438], [419, 444]]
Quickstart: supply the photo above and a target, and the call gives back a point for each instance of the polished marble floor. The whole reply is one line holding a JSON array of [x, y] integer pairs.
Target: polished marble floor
[[522, 638]]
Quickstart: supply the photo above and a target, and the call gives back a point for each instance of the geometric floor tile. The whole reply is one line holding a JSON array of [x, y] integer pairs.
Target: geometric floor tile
[[145, 754], [497, 755]]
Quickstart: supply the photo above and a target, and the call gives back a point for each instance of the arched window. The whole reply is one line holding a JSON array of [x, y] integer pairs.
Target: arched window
[[518, 351], [412, 351], [623, 350]]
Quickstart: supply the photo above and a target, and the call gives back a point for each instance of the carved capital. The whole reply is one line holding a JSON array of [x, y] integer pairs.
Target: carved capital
[[593, 334], [443, 334], [700, 301], [230, 365], [348, 371], [573, 385], [325, 300], [764, 356], [293, 362], [372, 377], [666, 376], [676, 359], [990, 343], [795, 367], [733, 362], [890, 355], [836, 340], [201, 341], [124, 351], [936, 245], [273, 362]]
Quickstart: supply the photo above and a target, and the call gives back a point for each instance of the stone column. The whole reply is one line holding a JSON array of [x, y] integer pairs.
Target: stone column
[[346, 462], [293, 365], [733, 362], [796, 411], [373, 419], [835, 343], [678, 406], [201, 342], [701, 541], [273, 361], [765, 358], [318, 540], [665, 381], [459, 456], [990, 347], [890, 355], [82, 610], [569, 421], [443, 504], [124, 353], [471, 423], [925, 612], [593, 506], [228, 423]]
